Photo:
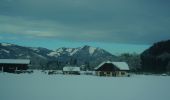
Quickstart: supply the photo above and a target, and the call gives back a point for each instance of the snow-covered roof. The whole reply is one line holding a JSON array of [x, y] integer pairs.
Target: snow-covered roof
[[120, 65], [14, 61], [69, 68]]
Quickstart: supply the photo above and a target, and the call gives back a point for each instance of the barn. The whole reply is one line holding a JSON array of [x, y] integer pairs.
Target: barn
[[13, 65], [71, 70], [112, 69]]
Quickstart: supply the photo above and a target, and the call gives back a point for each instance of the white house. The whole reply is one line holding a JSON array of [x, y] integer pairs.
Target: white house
[[71, 70]]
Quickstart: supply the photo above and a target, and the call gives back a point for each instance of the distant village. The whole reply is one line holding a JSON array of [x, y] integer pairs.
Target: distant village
[[106, 68]]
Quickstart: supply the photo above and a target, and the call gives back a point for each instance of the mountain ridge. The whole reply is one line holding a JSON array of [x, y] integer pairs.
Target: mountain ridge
[[43, 58], [157, 57]]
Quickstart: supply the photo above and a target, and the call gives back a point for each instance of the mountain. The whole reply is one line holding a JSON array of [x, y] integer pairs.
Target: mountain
[[36, 55], [157, 57], [41, 58], [85, 56]]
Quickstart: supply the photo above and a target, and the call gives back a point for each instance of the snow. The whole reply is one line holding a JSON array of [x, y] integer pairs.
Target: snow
[[6, 51], [34, 48], [39, 86], [6, 44], [60, 50], [21, 54], [53, 54], [73, 52], [69, 50], [91, 50], [121, 65]]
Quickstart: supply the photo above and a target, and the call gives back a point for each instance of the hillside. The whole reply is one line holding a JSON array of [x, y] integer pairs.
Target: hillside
[[157, 57]]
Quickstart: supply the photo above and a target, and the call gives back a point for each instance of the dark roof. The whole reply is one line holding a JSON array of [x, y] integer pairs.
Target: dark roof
[[119, 65], [14, 61]]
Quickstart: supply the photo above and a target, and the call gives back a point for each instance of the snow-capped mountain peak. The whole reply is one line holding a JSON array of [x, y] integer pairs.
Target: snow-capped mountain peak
[[63, 51], [92, 50], [72, 51]]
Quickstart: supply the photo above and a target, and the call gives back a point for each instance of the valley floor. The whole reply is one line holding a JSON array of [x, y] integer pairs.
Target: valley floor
[[39, 86]]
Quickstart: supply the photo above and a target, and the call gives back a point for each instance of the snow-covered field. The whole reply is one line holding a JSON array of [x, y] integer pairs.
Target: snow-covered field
[[39, 86]]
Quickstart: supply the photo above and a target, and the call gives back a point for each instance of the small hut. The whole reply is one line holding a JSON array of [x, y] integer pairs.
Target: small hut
[[13, 65], [112, 69], [71, 70]]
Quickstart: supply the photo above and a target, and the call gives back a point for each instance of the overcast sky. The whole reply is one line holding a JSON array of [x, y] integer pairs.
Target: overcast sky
[[110, 22]]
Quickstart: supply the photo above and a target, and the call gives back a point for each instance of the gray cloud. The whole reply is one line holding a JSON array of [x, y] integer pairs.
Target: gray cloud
[[123, 21]]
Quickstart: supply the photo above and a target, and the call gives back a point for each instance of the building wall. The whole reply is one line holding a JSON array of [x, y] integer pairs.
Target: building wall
[[108, 73], [71, 72], [1, 68], [105, 73], [13, 67]]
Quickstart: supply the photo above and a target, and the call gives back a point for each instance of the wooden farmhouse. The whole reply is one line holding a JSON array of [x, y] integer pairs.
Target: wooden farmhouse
[[12, 65], [112, 69], [71, 70]]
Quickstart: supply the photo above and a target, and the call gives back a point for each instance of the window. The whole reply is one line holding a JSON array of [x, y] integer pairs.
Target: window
[[122, 73]]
